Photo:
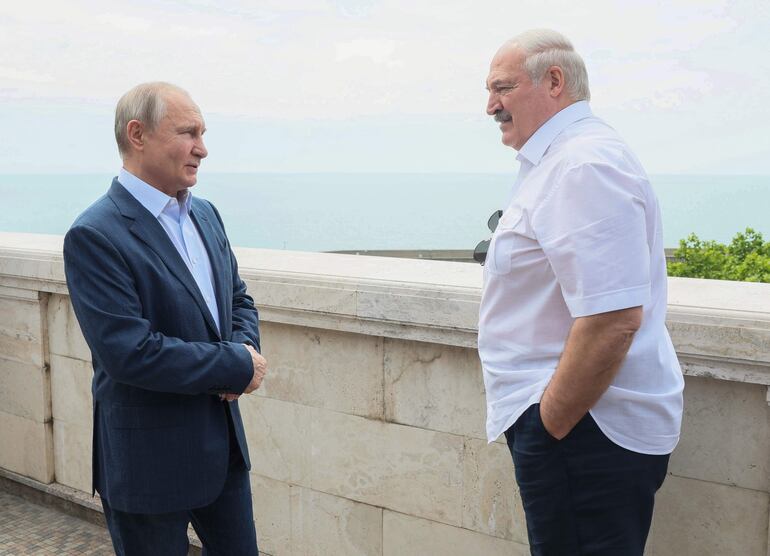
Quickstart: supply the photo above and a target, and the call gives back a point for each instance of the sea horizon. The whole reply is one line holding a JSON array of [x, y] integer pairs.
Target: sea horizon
[[330, 211]]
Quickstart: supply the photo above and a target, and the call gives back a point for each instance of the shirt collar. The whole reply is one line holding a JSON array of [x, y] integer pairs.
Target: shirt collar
[[535, 147], [154, 200]]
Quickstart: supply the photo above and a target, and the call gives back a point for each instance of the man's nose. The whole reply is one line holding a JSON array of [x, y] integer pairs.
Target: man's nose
[[493, 104], [200, 149]]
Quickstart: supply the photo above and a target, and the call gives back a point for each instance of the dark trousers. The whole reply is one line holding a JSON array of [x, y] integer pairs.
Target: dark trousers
[[583, 495], [225, 527]]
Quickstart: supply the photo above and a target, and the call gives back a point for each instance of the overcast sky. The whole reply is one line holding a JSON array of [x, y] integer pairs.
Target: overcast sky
[[367, 85]]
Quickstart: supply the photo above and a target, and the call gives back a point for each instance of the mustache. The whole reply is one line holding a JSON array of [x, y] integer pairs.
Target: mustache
[[502, 116]]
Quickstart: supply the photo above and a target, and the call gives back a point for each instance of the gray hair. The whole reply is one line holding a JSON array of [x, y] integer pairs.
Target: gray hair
[[544, 48], [146, 103]]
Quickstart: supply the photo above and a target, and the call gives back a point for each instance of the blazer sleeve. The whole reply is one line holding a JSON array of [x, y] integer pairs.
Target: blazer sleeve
[[245, 314], [103, 293]]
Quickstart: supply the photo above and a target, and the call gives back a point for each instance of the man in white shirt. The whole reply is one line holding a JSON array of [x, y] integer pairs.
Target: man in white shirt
[[579, 370]]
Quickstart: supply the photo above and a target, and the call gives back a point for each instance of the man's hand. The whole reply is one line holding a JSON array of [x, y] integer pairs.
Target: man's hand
[[260, 369], [595, 349]]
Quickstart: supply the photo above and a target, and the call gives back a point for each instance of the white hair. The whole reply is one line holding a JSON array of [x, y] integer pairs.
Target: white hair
[[544, 48], [146, 103]]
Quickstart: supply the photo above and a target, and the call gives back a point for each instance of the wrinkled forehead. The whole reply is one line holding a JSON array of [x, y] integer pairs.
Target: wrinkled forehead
[[506, 63], [182, 105], [509, 57]]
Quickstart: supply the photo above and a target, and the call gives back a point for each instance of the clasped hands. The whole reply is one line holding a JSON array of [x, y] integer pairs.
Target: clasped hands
[[260, 369]]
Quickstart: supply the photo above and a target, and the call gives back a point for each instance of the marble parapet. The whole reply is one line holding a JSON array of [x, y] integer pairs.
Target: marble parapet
[[720, 329]]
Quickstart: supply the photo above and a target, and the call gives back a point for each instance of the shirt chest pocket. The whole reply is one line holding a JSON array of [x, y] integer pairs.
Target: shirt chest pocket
[[503, 240]]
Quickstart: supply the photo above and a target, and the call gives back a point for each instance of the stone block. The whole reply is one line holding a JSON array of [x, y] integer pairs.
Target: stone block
[[709, 340], [279, 438], [272, 515], [402, 468], [27, 447], [448, 309], [24, 390], [491, 499], [292, 520], [405, 535], [321, 368], [71, 390], [65, 337], [434, 387], [302, 294], [725, 434], [72, 454], [323, 524], [23, 294], [694, 518], [21, 331]]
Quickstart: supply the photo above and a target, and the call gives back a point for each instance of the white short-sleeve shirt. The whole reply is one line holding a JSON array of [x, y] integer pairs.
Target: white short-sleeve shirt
[[581, 236]]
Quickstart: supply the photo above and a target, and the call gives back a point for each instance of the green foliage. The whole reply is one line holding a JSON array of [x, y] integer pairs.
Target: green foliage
[[746, 258]]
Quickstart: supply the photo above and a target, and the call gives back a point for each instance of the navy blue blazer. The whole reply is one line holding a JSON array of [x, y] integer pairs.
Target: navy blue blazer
[[160, 431]]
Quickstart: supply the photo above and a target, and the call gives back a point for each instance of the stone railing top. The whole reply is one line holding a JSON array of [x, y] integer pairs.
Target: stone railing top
[[360, 268], [713, 323], [338, 267]]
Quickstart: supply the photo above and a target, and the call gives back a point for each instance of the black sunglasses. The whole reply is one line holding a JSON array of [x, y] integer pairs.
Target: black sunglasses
[[480, 253]]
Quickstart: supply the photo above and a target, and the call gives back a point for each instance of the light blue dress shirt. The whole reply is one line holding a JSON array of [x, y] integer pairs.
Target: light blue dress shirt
[[174, 215]]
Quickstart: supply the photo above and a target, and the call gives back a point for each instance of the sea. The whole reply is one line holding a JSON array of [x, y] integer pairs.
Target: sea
[[349, 211]]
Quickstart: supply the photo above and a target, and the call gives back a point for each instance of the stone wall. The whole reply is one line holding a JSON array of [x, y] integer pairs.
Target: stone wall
[[367, 437]]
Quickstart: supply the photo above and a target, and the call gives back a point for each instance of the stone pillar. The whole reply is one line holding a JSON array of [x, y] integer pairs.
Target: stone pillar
[[26, 433]]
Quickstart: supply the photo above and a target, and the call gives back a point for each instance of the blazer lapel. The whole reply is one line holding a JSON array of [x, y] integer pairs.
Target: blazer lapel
[[215, 251], [148, 229]]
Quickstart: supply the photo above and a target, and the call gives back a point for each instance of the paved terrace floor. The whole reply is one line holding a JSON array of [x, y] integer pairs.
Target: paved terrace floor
[[40, 520], [29, 529]]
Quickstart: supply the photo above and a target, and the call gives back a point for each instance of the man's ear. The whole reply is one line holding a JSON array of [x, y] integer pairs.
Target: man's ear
[[555, 81], [135, 133]]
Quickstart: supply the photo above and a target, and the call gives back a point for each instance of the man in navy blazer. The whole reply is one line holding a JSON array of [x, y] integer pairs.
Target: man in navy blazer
[[174, 339]]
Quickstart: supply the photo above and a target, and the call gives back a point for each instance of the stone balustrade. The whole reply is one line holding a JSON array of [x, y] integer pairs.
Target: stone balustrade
[[367, 437]]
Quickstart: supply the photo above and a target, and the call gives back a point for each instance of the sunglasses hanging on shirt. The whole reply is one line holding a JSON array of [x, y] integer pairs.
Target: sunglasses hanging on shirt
[[480, 253]]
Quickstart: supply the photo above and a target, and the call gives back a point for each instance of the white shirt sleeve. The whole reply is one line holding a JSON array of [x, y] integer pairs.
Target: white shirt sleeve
[[592, 228]]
